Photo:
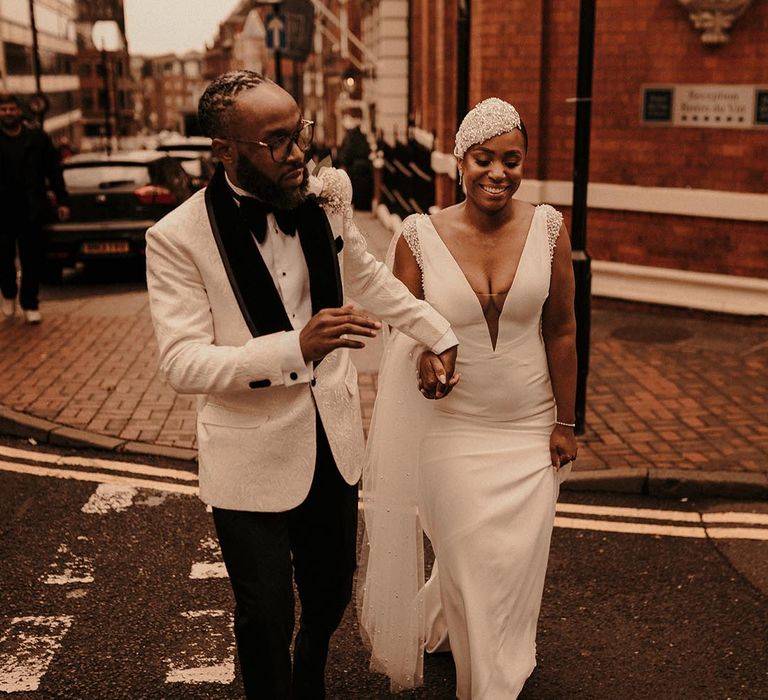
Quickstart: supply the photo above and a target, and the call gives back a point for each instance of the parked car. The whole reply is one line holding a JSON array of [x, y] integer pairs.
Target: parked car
[[184, 143], [114, 200], [194, 154]]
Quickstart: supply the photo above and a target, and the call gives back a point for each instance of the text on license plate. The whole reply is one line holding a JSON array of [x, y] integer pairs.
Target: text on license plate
[[106, 247]]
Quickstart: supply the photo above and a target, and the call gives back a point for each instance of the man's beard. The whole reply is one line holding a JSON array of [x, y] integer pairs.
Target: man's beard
[[11, 123], [261, 187]]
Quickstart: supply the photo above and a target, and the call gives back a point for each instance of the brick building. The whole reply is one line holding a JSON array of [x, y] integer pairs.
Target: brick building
[[103, 68], [678, 209], [55, 23], [171, 86], [117, 88]]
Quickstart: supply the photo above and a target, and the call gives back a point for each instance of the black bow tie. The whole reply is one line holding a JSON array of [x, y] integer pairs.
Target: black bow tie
[[254, 213]]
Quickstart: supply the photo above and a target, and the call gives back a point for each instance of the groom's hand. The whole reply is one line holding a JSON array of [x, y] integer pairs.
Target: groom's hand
[[448, 360], [436, 373], [325, 329]]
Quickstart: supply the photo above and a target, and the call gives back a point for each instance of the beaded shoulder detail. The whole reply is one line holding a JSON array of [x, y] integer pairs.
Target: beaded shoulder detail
[[411, 235], [554, 222]]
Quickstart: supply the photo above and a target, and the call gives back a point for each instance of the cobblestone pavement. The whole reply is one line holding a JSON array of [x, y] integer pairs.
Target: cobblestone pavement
[[668, 388]]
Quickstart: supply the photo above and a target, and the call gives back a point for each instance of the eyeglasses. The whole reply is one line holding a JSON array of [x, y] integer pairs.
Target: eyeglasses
[[280, 149]]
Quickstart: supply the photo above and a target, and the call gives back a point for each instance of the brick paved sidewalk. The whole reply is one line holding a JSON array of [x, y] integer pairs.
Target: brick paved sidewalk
[[668, 389]]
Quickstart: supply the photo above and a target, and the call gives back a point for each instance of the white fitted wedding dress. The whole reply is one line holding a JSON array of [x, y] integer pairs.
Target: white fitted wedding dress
[[485, 489]]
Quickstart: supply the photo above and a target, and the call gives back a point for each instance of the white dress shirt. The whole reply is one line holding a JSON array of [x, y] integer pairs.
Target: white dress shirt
[[285, 261]]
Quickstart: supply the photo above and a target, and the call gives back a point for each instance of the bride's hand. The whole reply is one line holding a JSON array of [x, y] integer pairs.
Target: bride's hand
[[432, 380], [562, 446]]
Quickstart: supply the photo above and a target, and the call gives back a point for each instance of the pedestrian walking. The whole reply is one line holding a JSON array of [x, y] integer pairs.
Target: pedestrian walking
[[29, 167], [247, 284]]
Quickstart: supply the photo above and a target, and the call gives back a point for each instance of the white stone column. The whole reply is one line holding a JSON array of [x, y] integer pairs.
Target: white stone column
[[389, 89]]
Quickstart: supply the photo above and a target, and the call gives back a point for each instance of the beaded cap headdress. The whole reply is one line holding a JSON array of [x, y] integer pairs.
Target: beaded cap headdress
[[487, 119]]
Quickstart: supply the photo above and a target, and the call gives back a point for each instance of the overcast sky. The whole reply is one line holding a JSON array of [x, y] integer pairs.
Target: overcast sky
[[173, 26]]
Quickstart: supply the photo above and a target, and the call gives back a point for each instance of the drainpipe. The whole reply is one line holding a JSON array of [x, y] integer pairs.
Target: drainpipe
[[581, 260], [463, 27]]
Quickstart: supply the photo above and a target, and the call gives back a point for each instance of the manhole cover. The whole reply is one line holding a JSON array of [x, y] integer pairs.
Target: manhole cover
[[652, 334]]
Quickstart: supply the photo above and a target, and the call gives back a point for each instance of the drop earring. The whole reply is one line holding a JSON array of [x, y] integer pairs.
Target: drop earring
[[461, 177]]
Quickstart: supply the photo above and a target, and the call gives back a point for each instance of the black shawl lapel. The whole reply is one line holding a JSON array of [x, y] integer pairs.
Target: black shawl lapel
[[251, 282], [320, 252]]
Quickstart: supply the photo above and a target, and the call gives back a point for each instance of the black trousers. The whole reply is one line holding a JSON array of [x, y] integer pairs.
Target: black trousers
[[315, 543], [17, 229]]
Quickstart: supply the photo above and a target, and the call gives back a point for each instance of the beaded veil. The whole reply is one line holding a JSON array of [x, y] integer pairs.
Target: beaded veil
[[485, 120]]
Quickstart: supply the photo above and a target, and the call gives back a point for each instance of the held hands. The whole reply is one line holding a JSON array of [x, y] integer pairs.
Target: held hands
[[436, 373], [562, 446], [325, 329]]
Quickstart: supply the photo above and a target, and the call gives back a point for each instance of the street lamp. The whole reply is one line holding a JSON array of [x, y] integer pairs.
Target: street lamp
[[350, 82], [38, 103], [106, 36]]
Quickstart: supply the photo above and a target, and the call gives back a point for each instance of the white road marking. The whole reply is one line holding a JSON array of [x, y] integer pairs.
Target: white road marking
[[630, 528], [212, 566], [672, 516], [110, 497], [94, 463], [732, 517], [69, 567], [737, 533], [204, 569], [214, 660], [195, 614], [210, 545], [644, 513], [26, 649], [97, 477]]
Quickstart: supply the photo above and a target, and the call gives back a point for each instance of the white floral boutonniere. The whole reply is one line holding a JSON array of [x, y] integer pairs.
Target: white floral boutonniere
[[330, 186]]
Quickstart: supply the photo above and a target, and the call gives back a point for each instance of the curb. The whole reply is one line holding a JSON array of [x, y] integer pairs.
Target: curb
[[671, 483], [18, 424], [662, 483]]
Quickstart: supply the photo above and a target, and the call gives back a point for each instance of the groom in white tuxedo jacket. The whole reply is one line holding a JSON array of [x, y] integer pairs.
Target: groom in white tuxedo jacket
[[247, 284]]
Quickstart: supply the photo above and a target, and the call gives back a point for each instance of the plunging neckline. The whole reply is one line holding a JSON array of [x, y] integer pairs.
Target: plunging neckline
[[469, 286]]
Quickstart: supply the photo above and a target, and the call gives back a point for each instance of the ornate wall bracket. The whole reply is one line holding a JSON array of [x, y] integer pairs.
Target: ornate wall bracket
[[714, 17]]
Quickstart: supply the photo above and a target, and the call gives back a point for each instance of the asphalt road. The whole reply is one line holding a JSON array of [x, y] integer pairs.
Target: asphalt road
[[117, 591], [113, 588]]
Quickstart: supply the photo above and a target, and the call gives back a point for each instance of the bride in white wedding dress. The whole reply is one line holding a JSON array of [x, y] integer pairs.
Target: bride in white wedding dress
[[479, 470]]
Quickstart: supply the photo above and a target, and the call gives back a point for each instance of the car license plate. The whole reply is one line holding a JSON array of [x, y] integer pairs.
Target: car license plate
[[106, 247]]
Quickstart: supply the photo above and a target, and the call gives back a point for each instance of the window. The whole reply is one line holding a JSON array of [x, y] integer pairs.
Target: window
[[192, 69], [61, 102], [18, 58], [93, 130], [53, 63]]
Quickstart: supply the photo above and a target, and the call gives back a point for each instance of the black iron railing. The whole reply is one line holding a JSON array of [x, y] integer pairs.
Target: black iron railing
[[407, 178]]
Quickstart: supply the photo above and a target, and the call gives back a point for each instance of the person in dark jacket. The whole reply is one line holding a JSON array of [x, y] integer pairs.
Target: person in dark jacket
[[353, 156], [29, 167]]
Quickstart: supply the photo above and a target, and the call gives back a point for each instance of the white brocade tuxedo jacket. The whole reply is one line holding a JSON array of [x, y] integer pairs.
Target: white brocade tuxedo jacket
[[219, 321]]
